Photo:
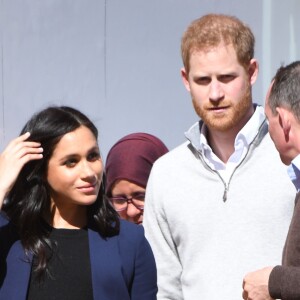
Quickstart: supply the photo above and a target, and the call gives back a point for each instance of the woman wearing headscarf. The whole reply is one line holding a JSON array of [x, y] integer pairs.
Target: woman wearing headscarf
[[128, 167]]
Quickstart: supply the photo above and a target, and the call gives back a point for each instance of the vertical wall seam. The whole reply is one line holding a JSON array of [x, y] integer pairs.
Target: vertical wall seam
[[292, 48], [2, 69], [104, 56], [2, 82], [266, 44]]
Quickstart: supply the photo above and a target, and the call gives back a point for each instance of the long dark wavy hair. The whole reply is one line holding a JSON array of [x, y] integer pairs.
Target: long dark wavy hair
[[28, 203]]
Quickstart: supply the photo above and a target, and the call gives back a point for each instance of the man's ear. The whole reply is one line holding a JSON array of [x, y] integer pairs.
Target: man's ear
[[185, 79], [284, 121], [253, 70]]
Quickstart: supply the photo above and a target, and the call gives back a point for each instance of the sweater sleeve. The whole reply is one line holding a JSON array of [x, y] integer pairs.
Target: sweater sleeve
[[159, 236], [284, 283]]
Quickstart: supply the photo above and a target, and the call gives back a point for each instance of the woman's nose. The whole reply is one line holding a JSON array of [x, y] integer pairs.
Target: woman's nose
[[87, 170], [132, 211]]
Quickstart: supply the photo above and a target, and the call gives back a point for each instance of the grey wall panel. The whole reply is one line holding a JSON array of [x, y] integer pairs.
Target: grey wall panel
[[119, 60], [144, 88], [53, 53], [281, 36]]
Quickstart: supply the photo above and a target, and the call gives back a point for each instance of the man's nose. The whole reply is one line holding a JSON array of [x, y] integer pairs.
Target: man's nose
[[215, 90]]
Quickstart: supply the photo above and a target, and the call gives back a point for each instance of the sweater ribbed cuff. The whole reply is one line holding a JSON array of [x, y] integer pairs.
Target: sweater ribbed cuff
[[275, 282]]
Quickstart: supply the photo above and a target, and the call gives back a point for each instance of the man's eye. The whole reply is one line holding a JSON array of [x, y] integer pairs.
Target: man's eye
[[226, 78], [203, 80]]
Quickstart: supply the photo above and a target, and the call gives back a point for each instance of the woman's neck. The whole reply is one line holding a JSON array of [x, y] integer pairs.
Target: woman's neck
[[74, 217]]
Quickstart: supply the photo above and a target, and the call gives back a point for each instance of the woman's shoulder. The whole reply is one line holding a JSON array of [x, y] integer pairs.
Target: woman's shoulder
[[3, 219], [131, 230], [129, 234], [132, 235], [132, 239], [8, 232]]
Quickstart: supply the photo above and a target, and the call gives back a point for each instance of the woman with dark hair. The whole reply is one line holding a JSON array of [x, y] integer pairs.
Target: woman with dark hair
[[127, 170], [59, 237]]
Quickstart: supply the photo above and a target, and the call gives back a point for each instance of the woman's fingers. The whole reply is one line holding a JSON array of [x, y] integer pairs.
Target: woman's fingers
[[20, 144], [17, 153]]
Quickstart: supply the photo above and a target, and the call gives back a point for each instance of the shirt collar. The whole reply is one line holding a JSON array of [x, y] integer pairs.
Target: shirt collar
[[294, 172], [245, 136]]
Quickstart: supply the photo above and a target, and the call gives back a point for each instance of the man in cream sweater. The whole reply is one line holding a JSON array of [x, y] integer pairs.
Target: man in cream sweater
[[219, 204]]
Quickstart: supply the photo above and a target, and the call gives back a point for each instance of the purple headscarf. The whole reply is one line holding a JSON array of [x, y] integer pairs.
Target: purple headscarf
[[131, 158]]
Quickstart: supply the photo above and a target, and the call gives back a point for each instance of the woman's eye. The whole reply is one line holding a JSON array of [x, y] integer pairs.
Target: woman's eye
[[70, 163], [139, 196], [93, 156]]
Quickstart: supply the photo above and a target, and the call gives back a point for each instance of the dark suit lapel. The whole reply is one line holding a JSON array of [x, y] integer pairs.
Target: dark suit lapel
[[107, 270]]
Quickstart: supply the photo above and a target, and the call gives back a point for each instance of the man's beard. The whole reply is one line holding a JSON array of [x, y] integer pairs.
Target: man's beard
[[231, 117]]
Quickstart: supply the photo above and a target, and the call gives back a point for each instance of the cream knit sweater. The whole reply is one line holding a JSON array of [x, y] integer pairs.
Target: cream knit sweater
[[204, 246]]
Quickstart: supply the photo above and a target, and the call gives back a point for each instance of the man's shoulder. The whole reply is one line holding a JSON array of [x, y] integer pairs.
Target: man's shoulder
[[179, 158], [176, 153], [266, 142]]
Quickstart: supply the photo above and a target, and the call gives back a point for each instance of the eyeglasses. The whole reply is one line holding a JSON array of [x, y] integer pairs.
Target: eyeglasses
[[120, 203]]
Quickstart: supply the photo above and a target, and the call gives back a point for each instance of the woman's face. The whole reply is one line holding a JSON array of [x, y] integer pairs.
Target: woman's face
[[75, 170], [135, 194]]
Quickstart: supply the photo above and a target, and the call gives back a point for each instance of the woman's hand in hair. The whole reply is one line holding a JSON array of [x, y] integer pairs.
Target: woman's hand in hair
[[17, 153]]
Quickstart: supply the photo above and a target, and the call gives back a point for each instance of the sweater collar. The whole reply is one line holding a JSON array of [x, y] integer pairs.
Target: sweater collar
[[196, 133]]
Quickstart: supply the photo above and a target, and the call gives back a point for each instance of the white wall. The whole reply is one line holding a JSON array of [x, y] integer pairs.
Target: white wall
[[119, 60]]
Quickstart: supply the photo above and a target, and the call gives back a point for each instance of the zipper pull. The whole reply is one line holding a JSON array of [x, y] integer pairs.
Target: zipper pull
[[225, 194]]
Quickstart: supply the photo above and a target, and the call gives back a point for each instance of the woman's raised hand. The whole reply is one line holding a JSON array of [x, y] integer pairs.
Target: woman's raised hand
[[17, 153]]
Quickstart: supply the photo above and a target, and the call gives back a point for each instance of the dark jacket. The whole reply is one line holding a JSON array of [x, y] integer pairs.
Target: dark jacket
[[123, 266], [284, 281]]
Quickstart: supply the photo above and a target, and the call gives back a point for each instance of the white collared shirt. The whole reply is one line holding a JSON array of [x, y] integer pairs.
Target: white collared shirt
[[294, 172], [241, 144]]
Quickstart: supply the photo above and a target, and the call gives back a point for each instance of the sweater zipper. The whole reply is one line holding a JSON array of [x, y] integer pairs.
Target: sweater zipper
[[226, 186]]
